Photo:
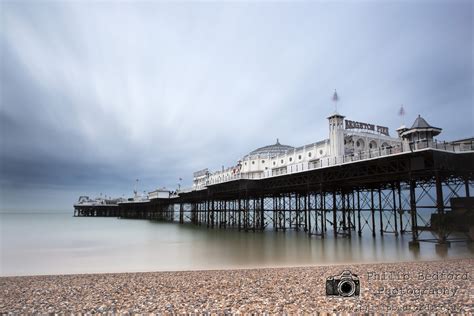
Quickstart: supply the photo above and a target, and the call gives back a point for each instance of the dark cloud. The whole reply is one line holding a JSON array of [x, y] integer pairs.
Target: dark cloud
[[96, 95]]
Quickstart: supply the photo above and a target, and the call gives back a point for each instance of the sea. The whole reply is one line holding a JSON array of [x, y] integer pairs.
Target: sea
[[58, 243]]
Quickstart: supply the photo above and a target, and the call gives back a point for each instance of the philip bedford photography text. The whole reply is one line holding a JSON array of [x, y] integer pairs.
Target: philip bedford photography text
[[409, 280], [419, 291]]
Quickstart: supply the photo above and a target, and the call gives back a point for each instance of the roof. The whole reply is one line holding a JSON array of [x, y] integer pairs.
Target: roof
[[403, 127], [469, 139], [421, 123], [335, 114], [271, 150]]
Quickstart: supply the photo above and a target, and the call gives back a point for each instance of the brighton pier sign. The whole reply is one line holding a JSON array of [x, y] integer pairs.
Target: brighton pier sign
[[371, 127]]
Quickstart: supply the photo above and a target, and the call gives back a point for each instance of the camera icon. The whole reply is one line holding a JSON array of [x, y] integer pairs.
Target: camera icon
[[346, 284]]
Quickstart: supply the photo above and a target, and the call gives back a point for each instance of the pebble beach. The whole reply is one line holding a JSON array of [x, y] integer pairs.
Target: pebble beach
[[407, 287]]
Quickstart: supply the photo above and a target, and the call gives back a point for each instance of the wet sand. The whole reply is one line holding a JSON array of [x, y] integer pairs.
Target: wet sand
[[407, 287]]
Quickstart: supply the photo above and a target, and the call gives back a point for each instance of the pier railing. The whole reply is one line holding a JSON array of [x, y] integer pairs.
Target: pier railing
[[455, 147]]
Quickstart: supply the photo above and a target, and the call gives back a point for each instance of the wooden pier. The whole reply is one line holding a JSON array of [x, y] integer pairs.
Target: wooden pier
[[395, 194]]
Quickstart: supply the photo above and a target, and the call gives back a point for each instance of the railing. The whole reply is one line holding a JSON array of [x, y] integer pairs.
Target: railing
[[353, 157]]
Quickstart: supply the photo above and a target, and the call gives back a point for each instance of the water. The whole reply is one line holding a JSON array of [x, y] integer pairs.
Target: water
[[33, 244]]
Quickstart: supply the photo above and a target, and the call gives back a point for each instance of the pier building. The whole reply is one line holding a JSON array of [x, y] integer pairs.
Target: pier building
[[360, 179], [347, 141]]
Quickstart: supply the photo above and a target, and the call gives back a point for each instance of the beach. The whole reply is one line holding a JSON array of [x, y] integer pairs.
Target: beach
[[441, 286]]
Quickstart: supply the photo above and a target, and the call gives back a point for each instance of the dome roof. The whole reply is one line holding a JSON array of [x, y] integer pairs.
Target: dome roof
[[272, 150]]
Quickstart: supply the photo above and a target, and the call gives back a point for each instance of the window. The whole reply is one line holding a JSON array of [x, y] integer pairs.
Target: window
[[263, 161], [291, 159], [321, 152], [253, 162], [299, 157], [309, 154], [246, 163], [282, 161], [274, 163], [360, 144]]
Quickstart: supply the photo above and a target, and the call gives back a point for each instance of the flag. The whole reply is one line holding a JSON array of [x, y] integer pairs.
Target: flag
[[335, 97], [401, 112]]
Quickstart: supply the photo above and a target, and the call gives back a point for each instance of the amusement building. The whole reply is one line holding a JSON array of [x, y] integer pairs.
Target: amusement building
[[347, 141]]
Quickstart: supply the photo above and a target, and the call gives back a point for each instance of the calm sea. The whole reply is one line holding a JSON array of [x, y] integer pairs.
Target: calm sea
[[58, 243]]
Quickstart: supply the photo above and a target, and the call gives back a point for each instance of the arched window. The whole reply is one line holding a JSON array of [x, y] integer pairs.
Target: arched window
[[360, 144]]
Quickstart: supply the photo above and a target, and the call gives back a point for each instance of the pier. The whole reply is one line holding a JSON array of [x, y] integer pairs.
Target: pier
[[424, 192]]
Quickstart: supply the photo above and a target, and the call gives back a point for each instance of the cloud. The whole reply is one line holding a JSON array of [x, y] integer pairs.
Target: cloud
[[96, 95]]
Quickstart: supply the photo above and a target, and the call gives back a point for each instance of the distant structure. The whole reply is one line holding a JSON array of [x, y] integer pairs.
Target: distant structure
[[348, 140], [162, 193]]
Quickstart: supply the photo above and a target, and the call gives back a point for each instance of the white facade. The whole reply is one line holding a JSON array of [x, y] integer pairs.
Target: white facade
[[343, 144], [159, 194]]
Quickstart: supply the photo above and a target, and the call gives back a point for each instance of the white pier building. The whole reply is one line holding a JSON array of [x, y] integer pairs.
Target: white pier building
[[348, 141]]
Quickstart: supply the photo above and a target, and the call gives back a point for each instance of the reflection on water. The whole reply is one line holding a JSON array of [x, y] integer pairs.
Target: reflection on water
[[60, 243]]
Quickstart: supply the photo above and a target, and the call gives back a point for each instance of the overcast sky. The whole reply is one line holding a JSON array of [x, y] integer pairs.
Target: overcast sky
[[97, 94]]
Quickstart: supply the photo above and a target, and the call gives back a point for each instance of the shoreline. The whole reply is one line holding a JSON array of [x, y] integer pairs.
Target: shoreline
[[259, 290], [242, 268]]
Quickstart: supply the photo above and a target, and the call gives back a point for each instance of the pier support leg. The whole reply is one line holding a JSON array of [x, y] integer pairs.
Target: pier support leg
[[323, 215], [359, 232], [466, 187], [334, 212], [381, 212], [306, 212], [440, 210], [400, 207], [414, 243], [394, 201], [239, 213], [372, 210]]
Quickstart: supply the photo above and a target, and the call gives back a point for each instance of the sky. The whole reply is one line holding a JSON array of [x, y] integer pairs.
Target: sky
[[97, 94]]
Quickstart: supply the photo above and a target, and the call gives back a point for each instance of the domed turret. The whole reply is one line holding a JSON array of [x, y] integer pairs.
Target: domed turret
[[271, 150], [420, 131]]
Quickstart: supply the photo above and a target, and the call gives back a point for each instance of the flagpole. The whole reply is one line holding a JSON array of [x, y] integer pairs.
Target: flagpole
[[401, 112], [335, 98]]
